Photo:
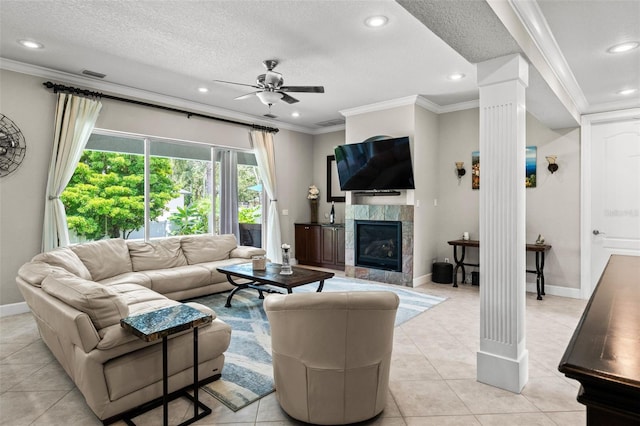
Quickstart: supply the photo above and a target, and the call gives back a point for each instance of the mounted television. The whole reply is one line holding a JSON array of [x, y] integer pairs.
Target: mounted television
[[375, 165]]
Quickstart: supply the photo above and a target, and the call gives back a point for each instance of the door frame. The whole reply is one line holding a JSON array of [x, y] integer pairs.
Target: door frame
[[587, 121]]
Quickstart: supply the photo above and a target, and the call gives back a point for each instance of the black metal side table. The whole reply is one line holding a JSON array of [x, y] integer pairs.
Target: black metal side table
[[161, 323]]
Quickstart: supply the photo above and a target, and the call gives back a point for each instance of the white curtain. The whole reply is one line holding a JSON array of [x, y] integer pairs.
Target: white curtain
[[265, 157], [74, 121]]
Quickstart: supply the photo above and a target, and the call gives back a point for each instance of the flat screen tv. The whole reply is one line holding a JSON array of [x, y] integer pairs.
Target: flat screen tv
[[375, 165]]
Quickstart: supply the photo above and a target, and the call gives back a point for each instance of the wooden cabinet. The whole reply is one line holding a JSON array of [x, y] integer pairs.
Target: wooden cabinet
[[308, 244], [320, 245]]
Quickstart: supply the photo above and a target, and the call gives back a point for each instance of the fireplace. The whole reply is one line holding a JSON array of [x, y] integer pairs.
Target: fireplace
[[378, 244]]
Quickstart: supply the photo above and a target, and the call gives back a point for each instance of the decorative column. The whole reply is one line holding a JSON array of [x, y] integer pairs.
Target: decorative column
[[503, 358]]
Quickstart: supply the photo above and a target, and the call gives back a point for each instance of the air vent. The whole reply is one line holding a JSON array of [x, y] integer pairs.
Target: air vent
[[93, 74], [328, 123]]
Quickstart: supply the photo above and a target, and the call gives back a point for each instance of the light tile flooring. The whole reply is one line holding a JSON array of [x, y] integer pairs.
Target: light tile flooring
[[432, 374]]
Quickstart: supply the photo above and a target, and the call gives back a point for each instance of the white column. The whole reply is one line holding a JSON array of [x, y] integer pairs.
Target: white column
[[503, 358]]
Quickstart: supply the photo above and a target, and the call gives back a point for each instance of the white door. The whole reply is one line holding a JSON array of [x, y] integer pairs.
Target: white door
[[615, 192]]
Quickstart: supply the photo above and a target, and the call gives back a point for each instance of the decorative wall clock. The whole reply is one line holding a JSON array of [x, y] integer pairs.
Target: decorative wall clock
[[12, 146]]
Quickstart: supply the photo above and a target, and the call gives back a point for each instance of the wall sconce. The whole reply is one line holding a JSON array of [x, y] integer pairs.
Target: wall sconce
[[460, 169], [553, 167]]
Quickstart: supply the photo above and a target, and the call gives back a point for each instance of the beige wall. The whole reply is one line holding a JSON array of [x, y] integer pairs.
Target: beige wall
[[437, 142], [425, 165], [25, 101], [422, 128], [31, 107], [553, 207]]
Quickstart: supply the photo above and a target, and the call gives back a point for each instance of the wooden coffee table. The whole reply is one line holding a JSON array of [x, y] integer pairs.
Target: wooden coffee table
[[271, 277]]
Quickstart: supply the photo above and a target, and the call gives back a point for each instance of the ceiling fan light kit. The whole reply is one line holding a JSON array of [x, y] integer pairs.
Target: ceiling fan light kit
[[268, 97]]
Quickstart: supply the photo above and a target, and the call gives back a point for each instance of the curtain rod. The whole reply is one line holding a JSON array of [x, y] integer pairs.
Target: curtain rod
[[74, 90]]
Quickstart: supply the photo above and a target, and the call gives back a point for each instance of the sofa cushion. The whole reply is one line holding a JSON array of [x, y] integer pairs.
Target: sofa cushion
[[104, 258], [170, 280], [246, 252], [128, 278], [35, 272], [65, 258], [104, 306], [207, 248], [158, 254]]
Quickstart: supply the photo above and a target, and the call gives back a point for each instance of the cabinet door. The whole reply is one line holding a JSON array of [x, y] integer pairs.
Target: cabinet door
[[339, 237], [307, 238], [301, 244], [329, 245]]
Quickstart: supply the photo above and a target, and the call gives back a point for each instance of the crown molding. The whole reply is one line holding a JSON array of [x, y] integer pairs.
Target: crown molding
[[417, 100], [329, 129], [460, 106], [121, 90], [380, 106], [536, 25], [517, 26]]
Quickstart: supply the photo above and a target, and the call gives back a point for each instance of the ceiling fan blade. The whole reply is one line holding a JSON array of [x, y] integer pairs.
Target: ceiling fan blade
[[270, 115], [239, 84], [288, 99], [245, 96], [307, 89]]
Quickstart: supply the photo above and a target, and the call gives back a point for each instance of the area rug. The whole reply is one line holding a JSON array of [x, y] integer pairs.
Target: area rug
[[247, 374]]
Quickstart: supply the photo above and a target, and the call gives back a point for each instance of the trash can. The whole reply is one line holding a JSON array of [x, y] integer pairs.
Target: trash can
[[442, 273], [475, 278]]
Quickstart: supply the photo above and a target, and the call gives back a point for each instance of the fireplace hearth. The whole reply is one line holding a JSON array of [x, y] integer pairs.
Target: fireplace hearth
[[378, 244]]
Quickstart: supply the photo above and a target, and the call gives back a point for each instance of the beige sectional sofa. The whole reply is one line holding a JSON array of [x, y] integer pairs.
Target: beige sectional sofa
[[78, 295]]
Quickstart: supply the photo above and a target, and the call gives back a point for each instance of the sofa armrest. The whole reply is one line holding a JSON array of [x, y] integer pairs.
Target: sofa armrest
[[245, 252], [74, 324]]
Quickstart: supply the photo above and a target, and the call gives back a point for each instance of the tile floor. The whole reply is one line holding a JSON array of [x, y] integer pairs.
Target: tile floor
[[432, 374]]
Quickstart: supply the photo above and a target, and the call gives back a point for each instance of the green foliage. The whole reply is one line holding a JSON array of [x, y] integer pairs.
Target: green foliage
[[193, 219], [105, 196], [248, 214]]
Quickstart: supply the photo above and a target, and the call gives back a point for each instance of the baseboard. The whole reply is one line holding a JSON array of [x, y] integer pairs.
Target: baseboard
[[423, 279], [555, 290], [13, 309]]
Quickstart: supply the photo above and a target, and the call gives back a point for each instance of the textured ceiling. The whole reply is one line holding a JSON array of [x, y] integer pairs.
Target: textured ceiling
[[173, 47]]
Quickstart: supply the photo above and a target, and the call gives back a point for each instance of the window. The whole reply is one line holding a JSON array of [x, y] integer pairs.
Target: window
[[140, 188]]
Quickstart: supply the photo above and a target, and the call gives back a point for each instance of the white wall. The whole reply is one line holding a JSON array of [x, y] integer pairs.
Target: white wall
[[32, 108], [553, 207]]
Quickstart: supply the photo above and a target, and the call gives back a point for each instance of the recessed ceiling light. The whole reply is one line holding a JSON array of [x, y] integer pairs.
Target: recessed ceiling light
[[456, 76], [203, 89], [627, 91], [30, 44], [295, 114], [624, 47], [376, 21]]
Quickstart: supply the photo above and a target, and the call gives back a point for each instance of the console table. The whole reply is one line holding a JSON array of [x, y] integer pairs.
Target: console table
[[159, 324], [603, 352], [539, 249]]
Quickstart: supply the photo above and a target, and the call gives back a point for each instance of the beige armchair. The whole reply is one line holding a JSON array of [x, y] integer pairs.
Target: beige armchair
[[331, 353]]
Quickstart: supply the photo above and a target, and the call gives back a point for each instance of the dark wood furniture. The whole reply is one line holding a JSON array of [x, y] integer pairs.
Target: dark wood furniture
[[604, 352], [538, 249], [159, 324], [320, 244], [271, 276]]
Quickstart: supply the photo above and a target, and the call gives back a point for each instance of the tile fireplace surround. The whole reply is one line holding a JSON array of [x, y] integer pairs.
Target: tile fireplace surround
[[401, 213]]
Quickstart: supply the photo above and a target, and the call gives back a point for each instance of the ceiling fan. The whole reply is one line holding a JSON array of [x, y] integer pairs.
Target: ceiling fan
[[270, 87]]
